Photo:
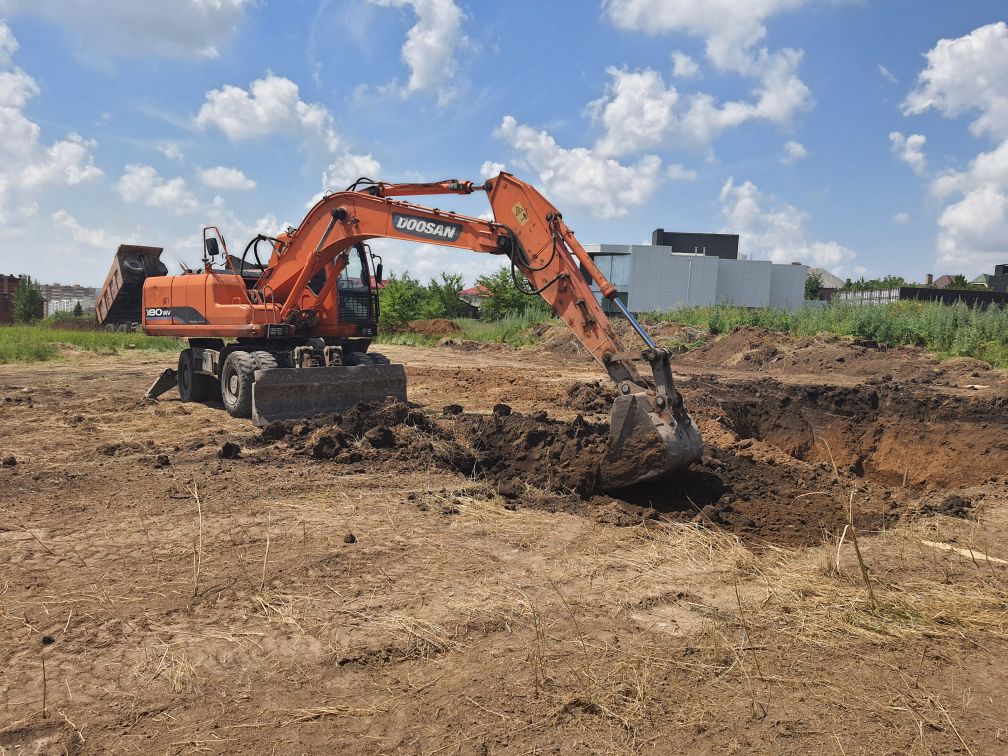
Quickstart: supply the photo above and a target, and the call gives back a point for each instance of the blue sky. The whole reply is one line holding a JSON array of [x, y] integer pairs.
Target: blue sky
[[869, 137]]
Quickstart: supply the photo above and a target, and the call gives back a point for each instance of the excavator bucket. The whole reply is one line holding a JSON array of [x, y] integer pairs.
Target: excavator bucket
[[290, 393], [646, 444]]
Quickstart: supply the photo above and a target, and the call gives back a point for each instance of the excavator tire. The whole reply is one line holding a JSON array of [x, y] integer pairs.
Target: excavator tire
[[237, 377], [265, 361], [378, 359], [352, 359], [192, 386]]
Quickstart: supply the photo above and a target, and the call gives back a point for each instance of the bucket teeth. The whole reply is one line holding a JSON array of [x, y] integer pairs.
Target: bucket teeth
[[645, 444], [290, 393]]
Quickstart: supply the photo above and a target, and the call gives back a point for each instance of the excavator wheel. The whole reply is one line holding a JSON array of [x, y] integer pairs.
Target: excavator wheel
[[265, 361], [378, 359], [192, 386], [237, 376], [352, 359]]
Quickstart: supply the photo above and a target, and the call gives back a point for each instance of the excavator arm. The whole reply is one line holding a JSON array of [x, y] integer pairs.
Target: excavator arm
[[651, 432]]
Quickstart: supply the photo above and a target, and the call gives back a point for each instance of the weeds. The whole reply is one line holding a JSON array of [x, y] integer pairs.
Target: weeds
[[949, 330], [40, 343]]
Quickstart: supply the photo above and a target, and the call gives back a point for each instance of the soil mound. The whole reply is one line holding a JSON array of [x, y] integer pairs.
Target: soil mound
[[745, 348], [436, 327], [590, 397]]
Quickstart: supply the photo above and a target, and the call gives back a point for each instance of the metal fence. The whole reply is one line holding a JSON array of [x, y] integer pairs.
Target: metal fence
[[971, 298], [876, 296]]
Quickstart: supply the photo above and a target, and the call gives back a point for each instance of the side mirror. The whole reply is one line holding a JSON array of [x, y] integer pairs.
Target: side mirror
[[378, 274], [212, 249]]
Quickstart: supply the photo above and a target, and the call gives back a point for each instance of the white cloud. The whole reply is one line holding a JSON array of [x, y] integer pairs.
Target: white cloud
[[731, 31], [676, 172], [171, 151], [97, 238], [8, 45], [271, 105], [683, 66], [580, 176], [773, 230], [793, 152], [490, 169], [169, 28], [910, 149], [26, 165], [901, 217], [222, 177], [68, 162], [887, 74], [431, 46], [347, 168], [967, 75], [637, 112], [970, 75], [142, 183], [973, 228]]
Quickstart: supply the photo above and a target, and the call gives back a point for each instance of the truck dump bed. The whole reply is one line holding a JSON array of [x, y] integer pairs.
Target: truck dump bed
[[118, 304]]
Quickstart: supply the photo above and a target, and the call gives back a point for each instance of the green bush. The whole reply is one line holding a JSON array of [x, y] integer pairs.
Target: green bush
[[28, 301], [504, 300], [404, 299]]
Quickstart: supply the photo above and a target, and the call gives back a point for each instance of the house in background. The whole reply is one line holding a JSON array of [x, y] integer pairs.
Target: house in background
[[475, 295], [941, 282], [998, 281]]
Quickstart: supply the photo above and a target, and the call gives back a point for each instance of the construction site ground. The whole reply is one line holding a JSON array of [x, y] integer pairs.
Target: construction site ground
[[415, 579]]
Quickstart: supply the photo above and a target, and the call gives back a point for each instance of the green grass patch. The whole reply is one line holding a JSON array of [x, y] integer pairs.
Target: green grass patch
[[38, 343], [514, 329], [948, 330]]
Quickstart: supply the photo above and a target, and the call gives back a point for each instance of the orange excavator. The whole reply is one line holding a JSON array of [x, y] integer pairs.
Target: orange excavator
[[288, 337]]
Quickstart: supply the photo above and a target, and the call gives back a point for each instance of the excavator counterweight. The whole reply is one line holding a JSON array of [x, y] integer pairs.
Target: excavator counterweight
[[289, 336]]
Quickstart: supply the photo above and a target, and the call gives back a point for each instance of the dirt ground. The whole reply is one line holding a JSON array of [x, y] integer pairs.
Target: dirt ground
[[445, 577]]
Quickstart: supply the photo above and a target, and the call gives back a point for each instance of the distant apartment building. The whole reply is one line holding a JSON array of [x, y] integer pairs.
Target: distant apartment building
[[8, 285], [64, 298]]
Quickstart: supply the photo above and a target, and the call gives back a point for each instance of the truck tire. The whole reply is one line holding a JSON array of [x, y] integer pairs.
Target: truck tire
[[237, 375], [192, 387]]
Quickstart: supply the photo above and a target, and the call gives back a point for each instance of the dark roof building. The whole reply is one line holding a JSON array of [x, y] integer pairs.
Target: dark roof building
[[724, 246]]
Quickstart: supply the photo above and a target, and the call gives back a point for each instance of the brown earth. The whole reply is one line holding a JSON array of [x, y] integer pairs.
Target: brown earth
[[448, 576]]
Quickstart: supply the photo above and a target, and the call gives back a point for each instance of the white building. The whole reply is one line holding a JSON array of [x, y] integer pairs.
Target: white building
[[654, 278]]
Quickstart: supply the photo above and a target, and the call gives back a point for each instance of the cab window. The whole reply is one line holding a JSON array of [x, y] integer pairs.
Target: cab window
[[354, 275]]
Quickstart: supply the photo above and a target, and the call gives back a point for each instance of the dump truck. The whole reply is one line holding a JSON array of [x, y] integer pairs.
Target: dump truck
[[288, 336], [118, 305]]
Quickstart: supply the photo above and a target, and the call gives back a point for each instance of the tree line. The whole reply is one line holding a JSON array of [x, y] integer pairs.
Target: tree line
[[405, 298]]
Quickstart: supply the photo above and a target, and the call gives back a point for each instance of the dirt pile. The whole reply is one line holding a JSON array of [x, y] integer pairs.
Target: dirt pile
[[505, 447], [436, 327], [590, 397]]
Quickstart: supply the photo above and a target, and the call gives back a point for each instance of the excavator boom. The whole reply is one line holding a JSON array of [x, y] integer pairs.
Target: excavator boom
[[298, 303]]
